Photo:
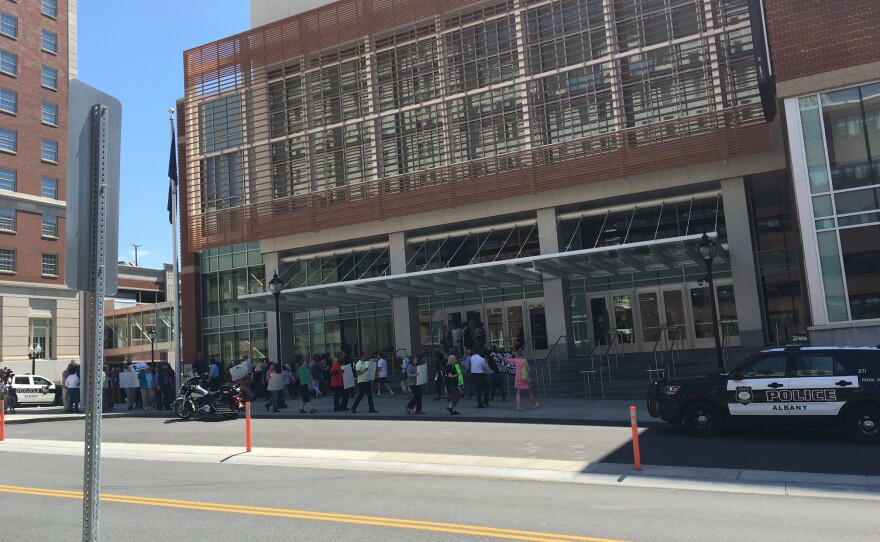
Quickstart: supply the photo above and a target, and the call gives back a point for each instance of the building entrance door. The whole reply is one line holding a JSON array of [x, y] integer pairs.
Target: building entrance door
[[661, 317], [612, 314]]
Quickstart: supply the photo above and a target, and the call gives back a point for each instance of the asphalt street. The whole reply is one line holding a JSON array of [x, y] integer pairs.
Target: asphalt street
[[287, 503], [801, 451]]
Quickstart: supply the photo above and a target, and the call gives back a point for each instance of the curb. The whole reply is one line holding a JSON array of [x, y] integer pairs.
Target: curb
[[752, 482]]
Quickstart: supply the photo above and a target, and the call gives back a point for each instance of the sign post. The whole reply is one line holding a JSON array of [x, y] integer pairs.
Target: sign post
[[95, 124]]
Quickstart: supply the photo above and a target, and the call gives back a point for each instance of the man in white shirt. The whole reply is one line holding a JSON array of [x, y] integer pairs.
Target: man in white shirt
[[466, 373], [404, 387], [479, 373], [382, 375]]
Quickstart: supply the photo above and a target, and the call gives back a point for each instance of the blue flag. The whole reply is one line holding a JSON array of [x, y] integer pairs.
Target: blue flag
[[172, 177]]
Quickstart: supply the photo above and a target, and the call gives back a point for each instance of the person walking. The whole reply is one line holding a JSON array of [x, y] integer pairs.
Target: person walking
[[522, 380], [454, 382], [479, 370], [72, 383], [382, 375], [145, 380], [131, 394], [198, 365], [106, 390], [305, 381], [496, 380], [337, 385], [404, 379], [466, 371], [412, 373], [456, 340], [64, 393], [317, 371], [365, 387], [275, 387]]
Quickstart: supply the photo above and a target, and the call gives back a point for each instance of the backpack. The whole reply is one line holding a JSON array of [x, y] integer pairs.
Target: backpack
[[524, 373]]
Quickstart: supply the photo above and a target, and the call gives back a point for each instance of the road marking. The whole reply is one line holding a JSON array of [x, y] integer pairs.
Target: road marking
[[472, 530]]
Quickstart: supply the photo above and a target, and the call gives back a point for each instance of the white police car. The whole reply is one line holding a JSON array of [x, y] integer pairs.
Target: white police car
[[783, 387], [35, 390]]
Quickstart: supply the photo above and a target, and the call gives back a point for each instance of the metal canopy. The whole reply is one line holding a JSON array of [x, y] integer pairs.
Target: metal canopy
[[655, 255]]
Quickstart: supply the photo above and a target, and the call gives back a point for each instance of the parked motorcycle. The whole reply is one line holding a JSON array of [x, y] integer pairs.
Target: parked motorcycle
[[195, 399]]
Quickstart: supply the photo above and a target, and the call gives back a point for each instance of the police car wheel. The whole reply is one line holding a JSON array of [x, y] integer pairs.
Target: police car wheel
[[702, 420], [863, 424]]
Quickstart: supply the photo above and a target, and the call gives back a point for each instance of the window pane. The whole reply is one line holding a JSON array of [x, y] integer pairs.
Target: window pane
[[768, 366], [49, 41], [8, 25], [49, 150], [50, 226], [814, 144], [832, 276], [853, 163], [50, 264], [8, 63], [50, 8], [7, 179], [8, 140], [7, 259], [861, 265], [7, 219], [49, 77], [816, 364], [49, 188], [50, 114], [8, 101]]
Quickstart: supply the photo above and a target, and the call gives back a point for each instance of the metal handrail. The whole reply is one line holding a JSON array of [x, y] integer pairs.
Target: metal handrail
[[615, 336], [674, 353], [543, 364]]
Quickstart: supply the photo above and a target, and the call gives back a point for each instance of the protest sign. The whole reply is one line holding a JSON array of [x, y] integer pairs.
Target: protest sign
[[347, 376]]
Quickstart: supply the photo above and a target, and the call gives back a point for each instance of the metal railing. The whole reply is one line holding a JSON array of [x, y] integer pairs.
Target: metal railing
[[543, 368]]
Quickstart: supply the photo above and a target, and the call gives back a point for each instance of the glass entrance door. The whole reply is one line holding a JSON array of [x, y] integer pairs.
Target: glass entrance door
[[661, 317], [613, 314]]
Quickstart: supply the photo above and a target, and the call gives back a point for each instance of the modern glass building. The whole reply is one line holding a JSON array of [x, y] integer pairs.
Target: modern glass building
[[543, 168]]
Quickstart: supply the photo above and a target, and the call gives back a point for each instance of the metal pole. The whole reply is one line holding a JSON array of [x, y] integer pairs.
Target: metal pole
[[152, 351], [176, 316], [278, 327], [95, 325], [34, 363], [715, 328]]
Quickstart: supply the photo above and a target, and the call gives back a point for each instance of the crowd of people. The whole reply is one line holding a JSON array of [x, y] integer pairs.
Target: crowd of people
[[470, 375], [155, 388]]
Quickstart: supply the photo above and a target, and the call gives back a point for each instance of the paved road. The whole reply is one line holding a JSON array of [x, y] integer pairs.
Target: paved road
[[820, 452], [285, 503]]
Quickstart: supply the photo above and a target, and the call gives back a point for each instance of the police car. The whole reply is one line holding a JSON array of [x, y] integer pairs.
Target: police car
[[790, 387], [35, 390]]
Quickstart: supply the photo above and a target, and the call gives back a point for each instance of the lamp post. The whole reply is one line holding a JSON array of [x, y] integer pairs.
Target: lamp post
[[152, 334], [275, 286], [34, 351], [707, 253]]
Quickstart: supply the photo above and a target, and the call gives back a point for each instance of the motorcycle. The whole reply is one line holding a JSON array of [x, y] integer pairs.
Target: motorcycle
[[195, 400]]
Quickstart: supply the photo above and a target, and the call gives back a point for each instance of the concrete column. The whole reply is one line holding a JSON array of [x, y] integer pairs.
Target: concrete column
[[557, 299], [404, 310], [742, 262], [271, 262]]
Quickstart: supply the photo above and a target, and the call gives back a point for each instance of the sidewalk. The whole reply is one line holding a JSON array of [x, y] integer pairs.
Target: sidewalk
[[556, 411]]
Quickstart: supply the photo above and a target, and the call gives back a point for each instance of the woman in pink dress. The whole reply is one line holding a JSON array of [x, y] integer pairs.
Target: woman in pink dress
[[523, 379]]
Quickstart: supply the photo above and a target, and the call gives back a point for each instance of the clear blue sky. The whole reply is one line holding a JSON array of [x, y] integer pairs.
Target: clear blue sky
[[134, 51]]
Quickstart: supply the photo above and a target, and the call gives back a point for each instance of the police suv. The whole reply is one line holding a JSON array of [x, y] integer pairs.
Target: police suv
[[35, 390], [790, 387]]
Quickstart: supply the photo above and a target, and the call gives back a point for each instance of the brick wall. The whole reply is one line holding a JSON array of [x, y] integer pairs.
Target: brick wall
[[808, 37]]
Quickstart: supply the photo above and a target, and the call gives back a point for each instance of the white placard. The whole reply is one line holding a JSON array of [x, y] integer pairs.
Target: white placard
[[128, 380], [238, 372], [138, 366], [421, 375], [347, 376], [371, 370]]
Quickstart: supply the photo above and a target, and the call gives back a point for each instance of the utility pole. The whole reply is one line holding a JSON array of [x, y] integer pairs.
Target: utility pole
[[136, 253]]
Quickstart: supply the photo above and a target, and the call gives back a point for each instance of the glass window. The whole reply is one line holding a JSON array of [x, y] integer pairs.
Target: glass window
[[290, 167], [49, 78], [8, 179], [223, 181], [852, 133], [408, 74], [564, 33], [7, 219], [817, 364], [49, 188], [50, 264], [8, 63], [8, 101], [339, 92], [860, 248], [50, 8], [40, 381], [49, 150], [221, 123], [814, 144], [49, 114], [7, 259], [50, 226], [8, 140], [49, 42], [832, 276], [764, 366], [485, 125], [286, 106], [8, 25], [41, 334], [482, 54], [412, 140], [342, 156]]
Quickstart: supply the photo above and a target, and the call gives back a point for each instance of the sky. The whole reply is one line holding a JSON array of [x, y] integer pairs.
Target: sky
[[133, 50]]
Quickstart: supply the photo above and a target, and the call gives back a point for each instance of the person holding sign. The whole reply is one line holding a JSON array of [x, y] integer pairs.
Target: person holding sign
[[337, 385], [412, 372], [365, 387], [523, 379]]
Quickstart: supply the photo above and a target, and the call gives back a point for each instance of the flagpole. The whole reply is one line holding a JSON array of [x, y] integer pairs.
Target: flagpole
[[176, 315]]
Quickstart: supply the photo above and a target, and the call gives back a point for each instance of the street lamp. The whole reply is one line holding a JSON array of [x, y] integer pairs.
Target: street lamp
[[34, 351], [152, 334], [275, 286], [707, 253]]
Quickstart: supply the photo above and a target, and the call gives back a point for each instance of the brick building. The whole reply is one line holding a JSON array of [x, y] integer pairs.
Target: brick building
[[37, 57]]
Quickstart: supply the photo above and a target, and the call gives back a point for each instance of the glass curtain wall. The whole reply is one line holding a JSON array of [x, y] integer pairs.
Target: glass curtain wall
[[229, 333]]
